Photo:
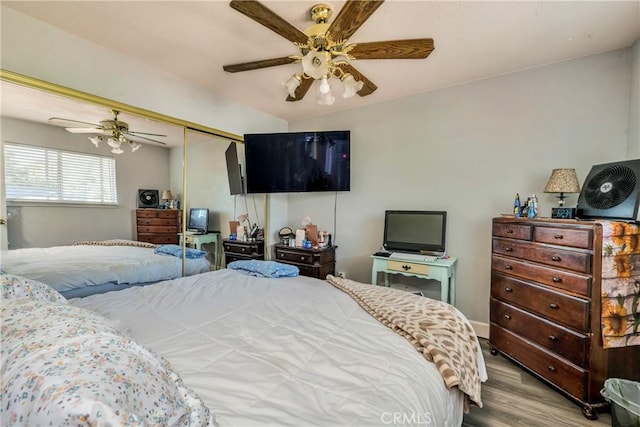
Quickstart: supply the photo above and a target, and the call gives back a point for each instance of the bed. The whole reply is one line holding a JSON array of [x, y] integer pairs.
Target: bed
[[248, 350], [92, 267]]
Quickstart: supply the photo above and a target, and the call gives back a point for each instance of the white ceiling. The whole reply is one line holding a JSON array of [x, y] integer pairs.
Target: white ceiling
[[473, 40]]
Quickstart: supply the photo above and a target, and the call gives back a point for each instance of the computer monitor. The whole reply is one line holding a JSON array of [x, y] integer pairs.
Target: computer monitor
[[415, 231], [198, 220]]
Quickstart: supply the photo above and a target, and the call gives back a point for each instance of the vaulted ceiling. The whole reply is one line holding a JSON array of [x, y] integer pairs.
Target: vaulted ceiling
[[473, 40]]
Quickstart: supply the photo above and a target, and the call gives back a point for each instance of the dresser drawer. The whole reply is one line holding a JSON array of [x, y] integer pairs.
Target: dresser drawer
[[157, 229], [554, 369], [568, 344], [403, 266], [158, 221], [573, 282], [146, 213], [159, 239], [514, 231], [567, 310], [575, 238], [561, 258], [168, 213]]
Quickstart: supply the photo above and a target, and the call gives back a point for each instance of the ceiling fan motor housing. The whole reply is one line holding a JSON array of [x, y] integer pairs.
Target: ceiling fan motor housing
[[611, 191]]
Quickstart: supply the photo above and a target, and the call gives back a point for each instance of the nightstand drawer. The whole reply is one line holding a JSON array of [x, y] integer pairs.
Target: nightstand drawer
[[568, 310], [575, 238], [404, 266], [513, 231], [568, 344], [573, 282], [297, 257]]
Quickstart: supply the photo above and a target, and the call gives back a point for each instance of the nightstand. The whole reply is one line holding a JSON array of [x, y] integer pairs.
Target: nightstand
[[197, 240], [236, 250], [311, 262]]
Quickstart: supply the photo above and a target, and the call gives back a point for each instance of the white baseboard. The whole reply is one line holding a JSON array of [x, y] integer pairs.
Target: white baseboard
[[481, 329]]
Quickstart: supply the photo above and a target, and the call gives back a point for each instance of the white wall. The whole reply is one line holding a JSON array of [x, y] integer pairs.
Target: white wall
[[467, 150], [633, 149], [46, 225]]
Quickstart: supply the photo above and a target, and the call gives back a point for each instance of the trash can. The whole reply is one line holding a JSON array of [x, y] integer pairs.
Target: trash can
[[624, 396]]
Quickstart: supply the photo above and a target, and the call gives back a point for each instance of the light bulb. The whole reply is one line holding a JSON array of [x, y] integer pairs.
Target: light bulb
[[351, 86], [324, 86]]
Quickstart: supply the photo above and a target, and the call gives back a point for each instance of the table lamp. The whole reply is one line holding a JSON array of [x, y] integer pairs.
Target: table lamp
[[563, 181], [167, 196]]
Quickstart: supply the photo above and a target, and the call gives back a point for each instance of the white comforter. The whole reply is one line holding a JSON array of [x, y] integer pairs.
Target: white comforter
[[68, 268], [286, 351]]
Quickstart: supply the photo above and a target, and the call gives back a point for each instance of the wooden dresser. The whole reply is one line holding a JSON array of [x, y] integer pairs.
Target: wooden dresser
[[159, 226], [311, 262], [545, 306], [235, 250]]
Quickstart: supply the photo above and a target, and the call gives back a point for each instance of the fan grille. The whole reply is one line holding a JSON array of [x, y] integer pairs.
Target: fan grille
[[610, 187]]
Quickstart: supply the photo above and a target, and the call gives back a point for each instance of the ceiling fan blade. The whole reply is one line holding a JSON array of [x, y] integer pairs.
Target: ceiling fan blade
[[302, 90], [86, 130], [134, 133], [262, 15], [142, 137], [255, 65], [368, 88], [68, 122], [351, 17], [393, 49]]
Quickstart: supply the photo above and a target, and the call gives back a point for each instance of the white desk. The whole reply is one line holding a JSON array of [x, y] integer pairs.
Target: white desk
[[443, 270], [197, 240]]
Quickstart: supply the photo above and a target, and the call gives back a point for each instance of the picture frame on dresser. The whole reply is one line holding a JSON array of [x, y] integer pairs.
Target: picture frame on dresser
[[546, 305]]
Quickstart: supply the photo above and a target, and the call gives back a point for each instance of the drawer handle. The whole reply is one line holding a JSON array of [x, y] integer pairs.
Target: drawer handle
[[508, 249], [555, 258], [554, 306], [558, 236], [302, 258], [507, 316], [509, 231], [406, 267], [508, 289], [551, 368], [553, 338], [508, 267], [556, 279]]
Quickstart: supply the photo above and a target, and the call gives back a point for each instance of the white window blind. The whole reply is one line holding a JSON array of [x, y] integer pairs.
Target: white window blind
[[42, 174]]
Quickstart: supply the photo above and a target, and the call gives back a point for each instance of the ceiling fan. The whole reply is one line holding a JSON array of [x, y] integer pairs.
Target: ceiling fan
[[112, 131], [324, 48]]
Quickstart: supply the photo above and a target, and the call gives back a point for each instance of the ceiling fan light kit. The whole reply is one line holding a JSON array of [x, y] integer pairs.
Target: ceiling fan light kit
[[324, 51]]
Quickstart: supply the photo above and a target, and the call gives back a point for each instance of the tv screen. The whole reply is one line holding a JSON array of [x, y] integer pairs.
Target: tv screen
[[415, 231], [297, 162], [198, 220], [234, 173]]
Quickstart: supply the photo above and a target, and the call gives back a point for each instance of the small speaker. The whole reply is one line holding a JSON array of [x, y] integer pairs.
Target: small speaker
[[563, 213], [148, 198]]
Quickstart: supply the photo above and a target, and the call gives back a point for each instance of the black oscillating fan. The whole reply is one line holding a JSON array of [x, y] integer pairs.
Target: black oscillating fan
[[611, 191]]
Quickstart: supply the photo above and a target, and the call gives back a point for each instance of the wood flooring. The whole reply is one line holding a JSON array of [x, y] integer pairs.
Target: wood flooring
[[512, 398]]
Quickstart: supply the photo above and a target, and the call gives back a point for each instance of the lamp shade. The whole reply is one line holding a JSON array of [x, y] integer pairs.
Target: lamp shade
[[166, 195], [563, 181]]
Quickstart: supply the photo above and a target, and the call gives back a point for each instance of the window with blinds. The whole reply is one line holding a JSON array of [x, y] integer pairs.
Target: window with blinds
[[43, 174]]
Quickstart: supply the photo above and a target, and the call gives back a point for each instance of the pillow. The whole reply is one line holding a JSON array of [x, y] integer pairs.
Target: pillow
[[260, 268], [176, 250], [16, 287], [65, 365]]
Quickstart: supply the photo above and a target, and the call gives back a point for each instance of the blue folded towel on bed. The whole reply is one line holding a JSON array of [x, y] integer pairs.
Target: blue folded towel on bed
[[264, 268], [176, 250]]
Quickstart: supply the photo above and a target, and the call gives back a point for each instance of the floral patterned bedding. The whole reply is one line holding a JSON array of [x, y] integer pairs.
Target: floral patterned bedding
[[64, 365]]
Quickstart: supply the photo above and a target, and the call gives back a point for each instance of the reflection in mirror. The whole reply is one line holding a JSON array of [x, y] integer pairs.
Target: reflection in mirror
[[45, 223]]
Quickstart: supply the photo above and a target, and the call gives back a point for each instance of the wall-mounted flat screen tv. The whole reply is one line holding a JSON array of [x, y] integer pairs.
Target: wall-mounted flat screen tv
[[297, 162], [415, 231]]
